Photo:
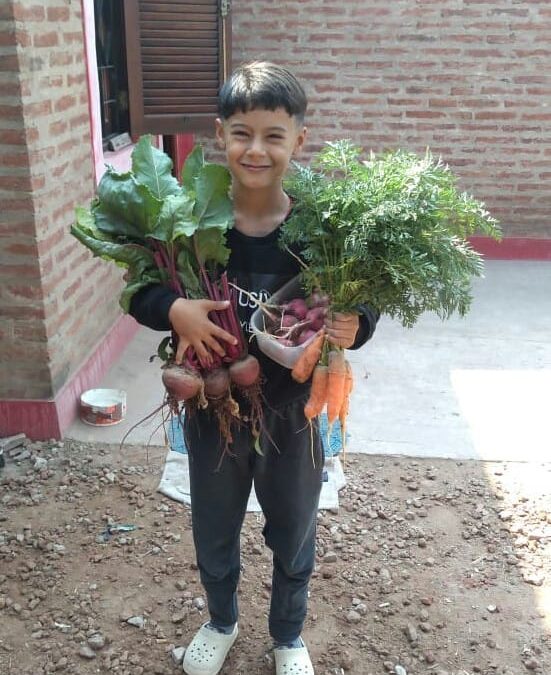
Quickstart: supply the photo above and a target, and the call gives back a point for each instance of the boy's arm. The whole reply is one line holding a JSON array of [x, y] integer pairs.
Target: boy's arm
[[368, 322], [150, 306]]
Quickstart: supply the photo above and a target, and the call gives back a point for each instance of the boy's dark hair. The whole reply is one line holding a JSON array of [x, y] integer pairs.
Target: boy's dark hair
[[261, 84]]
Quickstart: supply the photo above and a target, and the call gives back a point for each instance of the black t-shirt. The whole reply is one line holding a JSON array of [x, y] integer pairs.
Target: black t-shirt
[[261, 267]]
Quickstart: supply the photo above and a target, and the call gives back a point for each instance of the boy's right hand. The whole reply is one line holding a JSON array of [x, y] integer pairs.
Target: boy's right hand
[[190, 321]]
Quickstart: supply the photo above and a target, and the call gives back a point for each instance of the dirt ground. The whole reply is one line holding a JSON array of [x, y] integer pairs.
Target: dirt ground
[[428, 567]]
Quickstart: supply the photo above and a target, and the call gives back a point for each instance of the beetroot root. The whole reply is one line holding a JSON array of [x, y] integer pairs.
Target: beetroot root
[[181, 384], [245, 372], [217, 383]]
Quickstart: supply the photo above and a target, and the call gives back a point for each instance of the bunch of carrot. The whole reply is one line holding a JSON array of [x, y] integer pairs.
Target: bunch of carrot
[[332, 382]]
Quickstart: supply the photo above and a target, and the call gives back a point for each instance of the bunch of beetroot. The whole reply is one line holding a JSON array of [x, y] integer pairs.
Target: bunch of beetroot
[[297, 321], [195, 384]]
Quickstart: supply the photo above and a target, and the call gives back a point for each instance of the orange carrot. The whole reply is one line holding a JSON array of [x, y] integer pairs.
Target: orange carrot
[[348, 379], [343, 413], [335, 384], [318, 393], [307, 360]]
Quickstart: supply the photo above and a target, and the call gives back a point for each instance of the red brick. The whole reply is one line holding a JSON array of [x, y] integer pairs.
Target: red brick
[[27, 291], [531, 79], [75, 37], [57, 128], [65, 103], [66, 251], [61, 59], [500, 39], [7, 38], [22, 249], [60, 170], [542, 117], [483, 102], [25, 351], [424, 114], [15, 183], [77, 325], [52, 239], [39, 108], [29, 330], [72, 80], [52, 82], [528, 187], [37, 182], [11, 112], [14, 159], [46, 39], [29, 271], [58, 14], [22, 312], [11, 89], [71, 290], [22, 12], [63, 210], [464, 37], [9, 63], [66, 146], [82, 300], [495, 115], [442, 102]]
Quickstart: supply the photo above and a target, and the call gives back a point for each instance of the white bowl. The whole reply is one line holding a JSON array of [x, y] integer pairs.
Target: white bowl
[[270, 345], [103, 407]]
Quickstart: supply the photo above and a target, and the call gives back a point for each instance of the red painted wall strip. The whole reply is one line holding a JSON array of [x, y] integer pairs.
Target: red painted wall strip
[[37, 419], [513, 248]]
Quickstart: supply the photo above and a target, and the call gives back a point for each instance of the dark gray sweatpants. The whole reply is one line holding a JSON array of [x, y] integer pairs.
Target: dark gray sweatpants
[[287, 484]]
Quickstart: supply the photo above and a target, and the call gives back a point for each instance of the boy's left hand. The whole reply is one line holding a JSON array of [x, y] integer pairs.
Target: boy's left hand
[[341, 329]]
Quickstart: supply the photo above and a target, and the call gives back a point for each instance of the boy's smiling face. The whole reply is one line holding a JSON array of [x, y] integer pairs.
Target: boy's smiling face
[[259, 145]]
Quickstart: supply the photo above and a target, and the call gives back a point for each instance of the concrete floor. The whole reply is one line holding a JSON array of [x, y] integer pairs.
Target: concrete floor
[[477, 387]]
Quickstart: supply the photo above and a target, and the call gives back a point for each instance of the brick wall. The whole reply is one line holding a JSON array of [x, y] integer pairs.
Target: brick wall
[[55, 300], [469, 78]]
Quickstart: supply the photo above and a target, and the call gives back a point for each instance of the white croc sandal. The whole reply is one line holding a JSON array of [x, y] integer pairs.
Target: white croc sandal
[[207, 651], [294, 661]]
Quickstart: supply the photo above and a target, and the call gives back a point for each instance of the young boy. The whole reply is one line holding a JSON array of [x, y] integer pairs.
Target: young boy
[[261, 127]]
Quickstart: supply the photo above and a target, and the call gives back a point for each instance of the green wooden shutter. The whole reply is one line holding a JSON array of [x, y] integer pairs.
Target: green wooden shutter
[[178, 56]]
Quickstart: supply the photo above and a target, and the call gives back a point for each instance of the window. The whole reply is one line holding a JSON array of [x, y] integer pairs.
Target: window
[[178, 55], [112, 73], [160, 65]]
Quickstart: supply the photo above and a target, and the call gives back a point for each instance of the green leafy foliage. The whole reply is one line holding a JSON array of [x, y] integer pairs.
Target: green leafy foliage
[[212, 207], [159, 230], [389, 231], [176, 218], [152, 167], [195, 161], [126, 206]]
